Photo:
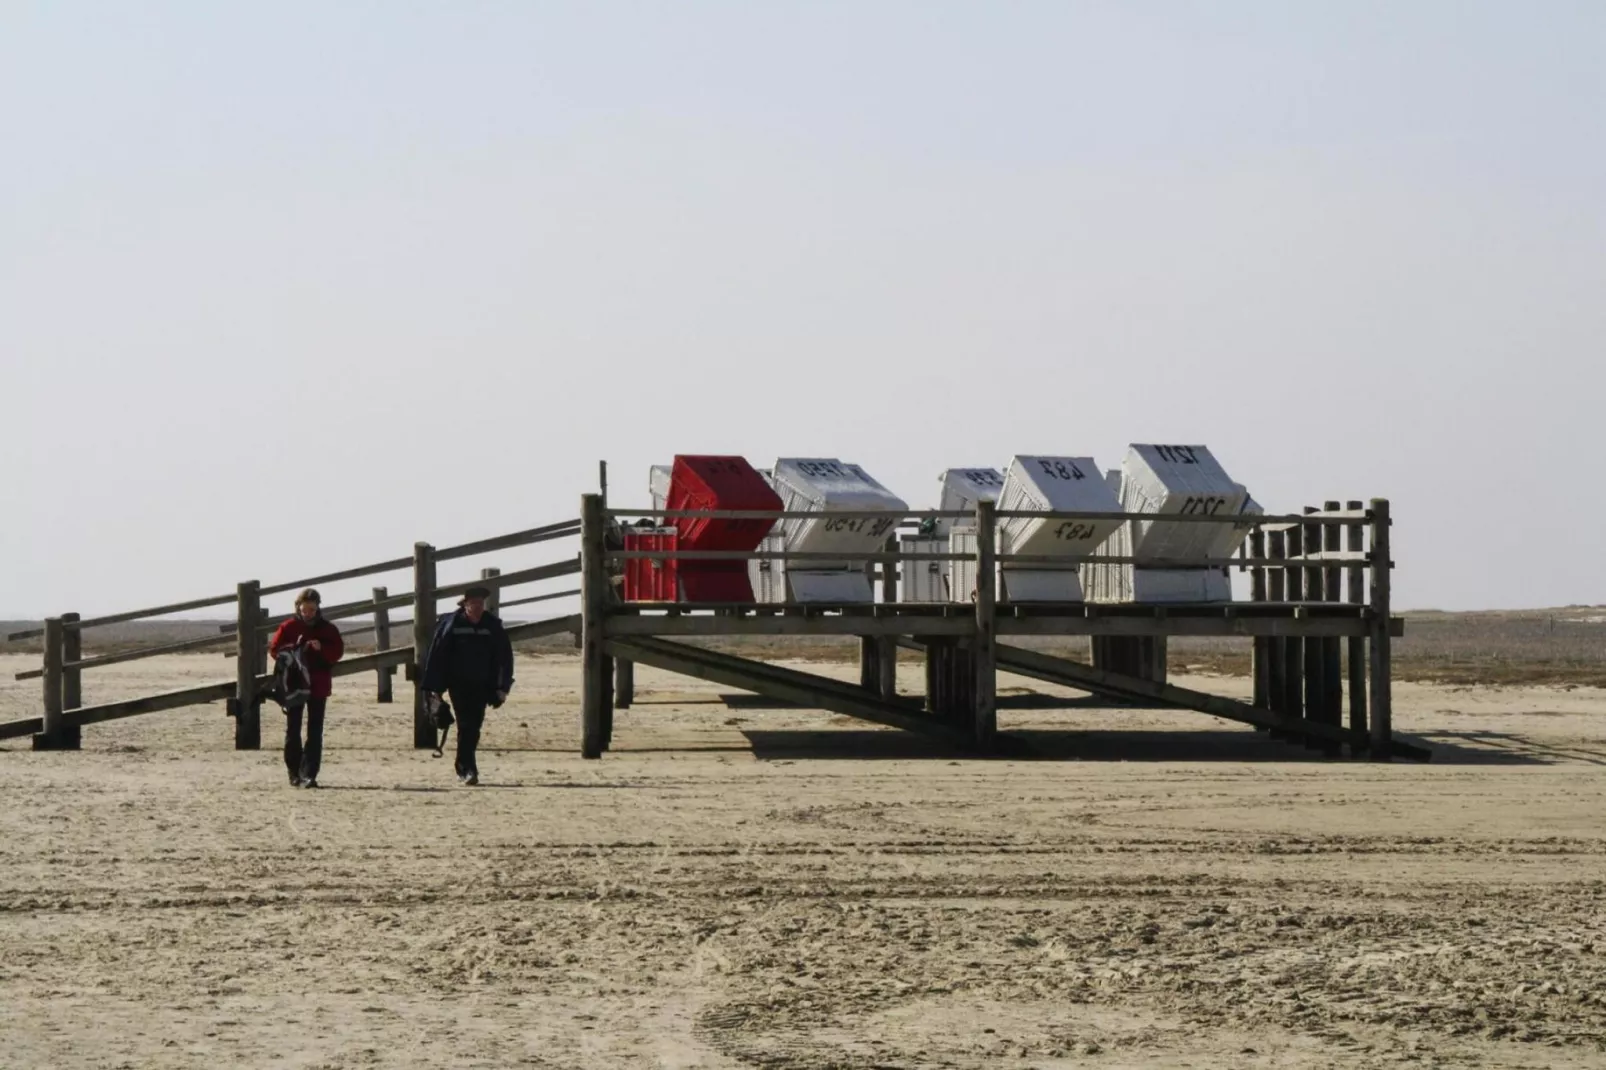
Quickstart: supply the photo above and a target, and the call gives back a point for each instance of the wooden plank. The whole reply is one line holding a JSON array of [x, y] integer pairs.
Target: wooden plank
[[624, 683], [1242, 521], [510, 603], [424, 617], [1315, 663], [383, 677], [805, 689], [1294, 648], [887, 646], [493, 602], [594, 611], [1356, 540], [849, 557], [247, 719], [513, 579], [1074, 674], [964, 627], [167, 700], [535, 629], [27, 726], [547, 533], [216, 692], [1260, 661], [395, 564], [983, 646], [1276, 649], [72, 656], [1382, 704], [137, 655], [133, 614], [55, 734], [1332, 649]]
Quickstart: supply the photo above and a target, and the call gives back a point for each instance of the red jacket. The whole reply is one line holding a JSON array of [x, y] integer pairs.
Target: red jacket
[[295, 632]]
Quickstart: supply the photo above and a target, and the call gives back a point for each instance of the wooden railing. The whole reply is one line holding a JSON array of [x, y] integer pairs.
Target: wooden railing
[[63, 663]]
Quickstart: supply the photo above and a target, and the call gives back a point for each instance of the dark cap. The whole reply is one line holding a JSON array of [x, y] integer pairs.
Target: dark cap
[[477, 592]]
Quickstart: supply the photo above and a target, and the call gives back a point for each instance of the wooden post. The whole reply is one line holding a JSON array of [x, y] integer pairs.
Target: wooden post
[[1332, 649], [887, 662], [56, 735], [72, 649], [264, 639], [1294, 649], [624, 683], [984, 651], [493, 601], [869, 663], [247, 619], [1382, 671], [1260, 662], [1277, 673], [1276, 649], [1357, 646], [423, 634], [382, 642], [594, 684], [1315, 657]]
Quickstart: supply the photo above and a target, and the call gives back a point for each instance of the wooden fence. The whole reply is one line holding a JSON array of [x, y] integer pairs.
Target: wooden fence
[[64, 715]]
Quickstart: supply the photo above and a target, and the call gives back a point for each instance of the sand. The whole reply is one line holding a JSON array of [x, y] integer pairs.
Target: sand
[[742, 886]]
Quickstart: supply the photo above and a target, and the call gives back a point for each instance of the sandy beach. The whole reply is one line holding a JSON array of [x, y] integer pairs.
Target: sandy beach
[[739, 885]]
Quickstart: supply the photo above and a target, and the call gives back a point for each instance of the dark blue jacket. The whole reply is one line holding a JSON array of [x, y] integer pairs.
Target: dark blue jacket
[[469, 659]]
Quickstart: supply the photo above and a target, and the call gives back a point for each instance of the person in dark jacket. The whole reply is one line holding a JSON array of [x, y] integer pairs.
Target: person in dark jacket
[[470, 659], [321, 646]]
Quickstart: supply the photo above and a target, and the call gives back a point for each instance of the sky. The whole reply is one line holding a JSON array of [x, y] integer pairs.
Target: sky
[[288, 287]]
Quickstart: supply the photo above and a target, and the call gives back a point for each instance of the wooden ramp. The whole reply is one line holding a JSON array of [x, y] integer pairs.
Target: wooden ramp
[[1133, 689], [804, 689]]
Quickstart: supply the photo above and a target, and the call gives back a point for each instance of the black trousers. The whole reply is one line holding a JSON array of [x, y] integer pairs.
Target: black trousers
[[304, 761], [470, 713]]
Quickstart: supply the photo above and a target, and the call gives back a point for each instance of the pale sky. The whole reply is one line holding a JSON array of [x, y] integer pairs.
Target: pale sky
[[286, 287]]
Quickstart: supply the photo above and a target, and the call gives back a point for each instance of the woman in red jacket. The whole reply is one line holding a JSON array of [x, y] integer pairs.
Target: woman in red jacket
[[322, 647]]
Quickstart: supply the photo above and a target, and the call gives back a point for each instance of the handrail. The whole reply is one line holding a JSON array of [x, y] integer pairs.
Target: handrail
[[133, 614], [504, 542], [847, 557], [1235, 519], [395, 564]]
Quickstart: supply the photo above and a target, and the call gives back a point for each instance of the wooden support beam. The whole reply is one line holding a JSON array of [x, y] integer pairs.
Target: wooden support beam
[[1382, 705], [1276, 649], [562, 530], [1356, 540], [393, 565], [1259, 660], [247, 618], [493, 602], [595, 688], [1075, 674], [423, 634], [1332, 649], [624, 683], [1315, 657], [72, 653], [983, 647], [1294, 648], [805, 689], [887, 662], [385, 675], [56, 732]]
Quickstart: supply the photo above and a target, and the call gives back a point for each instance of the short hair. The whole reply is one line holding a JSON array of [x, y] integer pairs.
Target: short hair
[[309, 595]]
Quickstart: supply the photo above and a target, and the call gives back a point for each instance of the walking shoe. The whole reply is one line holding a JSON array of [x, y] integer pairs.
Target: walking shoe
[[309, 782], [295, 781], [472, 780]]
